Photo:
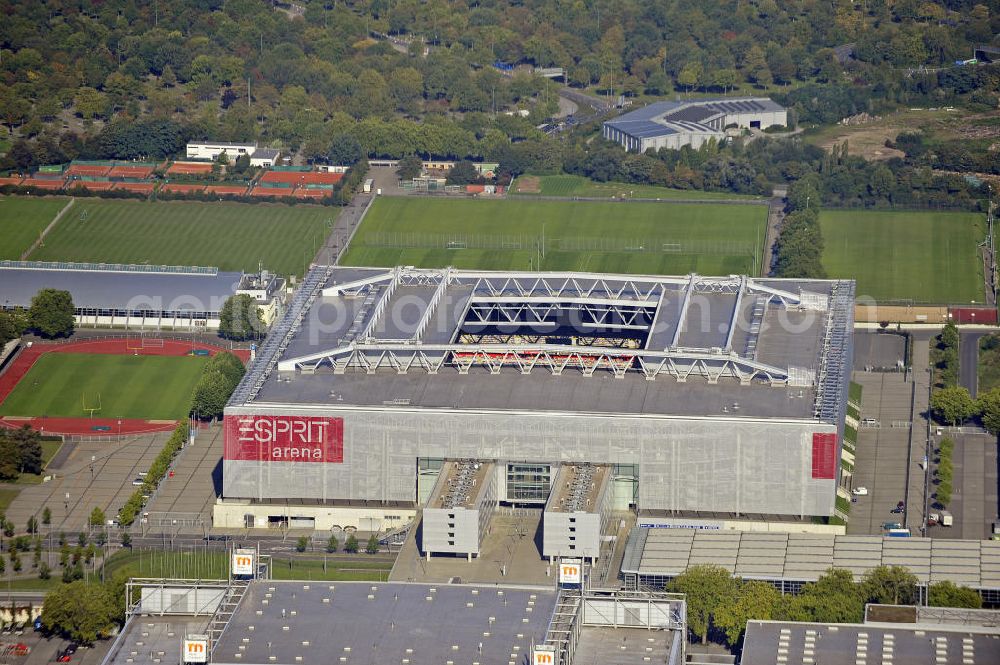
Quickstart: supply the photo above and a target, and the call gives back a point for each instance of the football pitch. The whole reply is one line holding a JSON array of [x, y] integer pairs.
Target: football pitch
[[927, 257], [22, 220], [229, 236], [70, 385], [638, 238]]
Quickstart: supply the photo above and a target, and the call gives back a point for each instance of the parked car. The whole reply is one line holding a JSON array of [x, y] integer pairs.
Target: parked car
[[860, 491], [138, 482], [896, 511], [887, 526]]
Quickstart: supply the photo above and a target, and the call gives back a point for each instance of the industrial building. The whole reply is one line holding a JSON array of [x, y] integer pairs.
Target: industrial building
[[654, 556], [693, 123], [254, 619], [458, 515], [148, 297], [700, 394]]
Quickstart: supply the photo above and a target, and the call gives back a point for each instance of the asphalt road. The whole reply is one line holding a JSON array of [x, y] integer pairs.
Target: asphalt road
[[968, 348]]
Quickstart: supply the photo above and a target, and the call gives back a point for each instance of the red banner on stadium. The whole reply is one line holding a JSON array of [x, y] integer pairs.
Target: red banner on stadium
[[824, 456], [284, 439]]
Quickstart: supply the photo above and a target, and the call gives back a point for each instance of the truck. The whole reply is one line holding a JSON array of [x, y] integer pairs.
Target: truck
[[368, 185], [946, 518], [898, 533]]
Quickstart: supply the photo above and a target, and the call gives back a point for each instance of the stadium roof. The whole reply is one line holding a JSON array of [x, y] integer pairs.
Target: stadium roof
[[565, 341], [803, 557], [667, 117], [119, 287], [323, 622]]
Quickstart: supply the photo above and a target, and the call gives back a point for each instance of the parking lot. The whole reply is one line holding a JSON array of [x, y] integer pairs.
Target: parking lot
[[891, 440], [974, 499], [95, 474]]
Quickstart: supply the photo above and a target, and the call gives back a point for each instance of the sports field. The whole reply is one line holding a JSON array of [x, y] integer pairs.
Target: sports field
[[575, 185], [116, 386], [230, 236], [641, 238], [927, 257], [22, 219]]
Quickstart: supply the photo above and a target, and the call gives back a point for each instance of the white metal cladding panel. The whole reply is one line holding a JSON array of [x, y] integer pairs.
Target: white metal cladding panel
[[180, 600], [723, 465]]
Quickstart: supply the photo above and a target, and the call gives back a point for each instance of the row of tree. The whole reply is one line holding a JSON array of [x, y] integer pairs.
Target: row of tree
[[799, 247], [954, 406], [719, 605], [51, 314], [944, 472]]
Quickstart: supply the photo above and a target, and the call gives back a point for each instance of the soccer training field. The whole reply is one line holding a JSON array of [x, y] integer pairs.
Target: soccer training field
[[69, 384], [639, 238], [22, 219], [927, 257], [230, 236], [575, 185]]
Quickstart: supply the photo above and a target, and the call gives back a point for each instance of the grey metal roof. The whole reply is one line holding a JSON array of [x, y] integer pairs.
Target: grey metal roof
[[670, 117], [784, 643], [265, 153], [319, 623], [803, 557], [93, 289]]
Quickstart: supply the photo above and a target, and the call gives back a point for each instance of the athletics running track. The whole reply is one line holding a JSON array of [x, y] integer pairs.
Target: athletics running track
[[21, 364]]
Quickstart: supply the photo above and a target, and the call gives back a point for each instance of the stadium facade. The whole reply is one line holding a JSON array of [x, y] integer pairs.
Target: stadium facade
[[694, 122], [702, 394]]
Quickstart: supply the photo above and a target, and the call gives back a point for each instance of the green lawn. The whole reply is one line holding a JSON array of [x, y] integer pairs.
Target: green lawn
[[213, 565], [927, 257], [575, 185], [149, 387], [989, 363], [22, 219], [638, 238], [230, 236], [6, 496]]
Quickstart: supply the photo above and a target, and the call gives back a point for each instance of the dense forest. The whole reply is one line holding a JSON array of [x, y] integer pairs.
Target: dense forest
[[395, 77]]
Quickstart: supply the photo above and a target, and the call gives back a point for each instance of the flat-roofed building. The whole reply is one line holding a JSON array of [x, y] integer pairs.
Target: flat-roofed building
[[578, 511]]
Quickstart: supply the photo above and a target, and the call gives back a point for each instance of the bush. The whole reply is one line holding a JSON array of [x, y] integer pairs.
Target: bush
[[351, 546], [301, 544], [332, 545]]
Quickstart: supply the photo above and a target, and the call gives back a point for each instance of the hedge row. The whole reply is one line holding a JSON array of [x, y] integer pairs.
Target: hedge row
[[157, 472], [945, 471]]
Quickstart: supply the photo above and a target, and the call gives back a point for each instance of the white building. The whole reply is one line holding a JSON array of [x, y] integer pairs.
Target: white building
[[265, 157], [677, 124], [211, 150]]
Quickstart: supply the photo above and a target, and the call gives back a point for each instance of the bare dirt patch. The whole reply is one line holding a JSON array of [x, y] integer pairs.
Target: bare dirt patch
[[529, 185]]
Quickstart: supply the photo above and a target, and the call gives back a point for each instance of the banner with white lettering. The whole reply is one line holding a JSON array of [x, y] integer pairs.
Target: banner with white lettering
[[284, 439]]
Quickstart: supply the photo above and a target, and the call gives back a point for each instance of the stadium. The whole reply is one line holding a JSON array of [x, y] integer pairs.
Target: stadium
[[382, 390]]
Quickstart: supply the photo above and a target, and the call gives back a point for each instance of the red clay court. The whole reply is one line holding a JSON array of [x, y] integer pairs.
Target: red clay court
[[181, 188], [141, 172], [301, 178], [23, 362], [190, 168], [239, 190], [88, 169], [271, 191], [141, 187]]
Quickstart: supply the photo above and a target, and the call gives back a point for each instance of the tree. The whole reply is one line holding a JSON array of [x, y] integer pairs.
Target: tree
[[952, 405], [47, 516], [463, 173], [892, 585], [409, 167], [301, 544], [988, 404], [332, 544], [372, 546], [79, 611], [690, 75], [833, 598], [32, 525], [949, 335], [51, 313], [240, 318], [753, 600], [96, 517], [707, 588], [351, 546], [345, 150], [44, 572], [210, 395], [126, 540], [947, 594], [12, 325]]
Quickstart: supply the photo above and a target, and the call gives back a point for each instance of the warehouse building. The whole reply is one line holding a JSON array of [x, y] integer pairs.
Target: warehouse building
[[674, 125], [654, 556], [116, 295], [702, 394]]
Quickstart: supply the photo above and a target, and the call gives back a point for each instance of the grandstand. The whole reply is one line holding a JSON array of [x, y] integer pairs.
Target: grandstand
[[700, 394]]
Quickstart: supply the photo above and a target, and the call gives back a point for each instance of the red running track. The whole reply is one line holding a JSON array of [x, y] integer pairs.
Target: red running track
[[24, 361]]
